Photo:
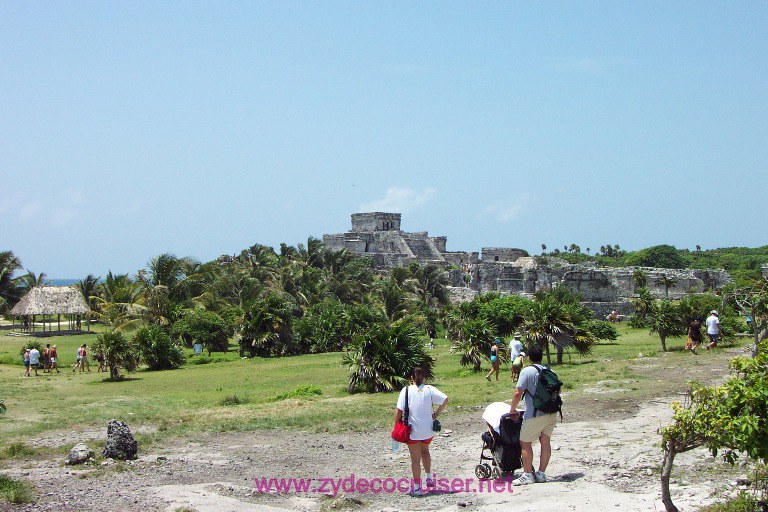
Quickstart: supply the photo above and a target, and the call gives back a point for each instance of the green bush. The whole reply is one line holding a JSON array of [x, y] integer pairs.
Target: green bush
[[306, 391], [17, 450], [208, 328], [741, 503], [382, 357], [158, 349], [233, 400], [15, 491]]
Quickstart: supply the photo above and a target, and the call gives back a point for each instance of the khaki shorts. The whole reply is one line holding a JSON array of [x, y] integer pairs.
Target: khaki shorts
[[534, 427]]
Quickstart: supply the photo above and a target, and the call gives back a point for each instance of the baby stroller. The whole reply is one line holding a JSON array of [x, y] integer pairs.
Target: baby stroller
[[501, 443]]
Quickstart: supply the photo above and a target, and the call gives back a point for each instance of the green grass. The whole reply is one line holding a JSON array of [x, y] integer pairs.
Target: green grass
[[304, 392], [15, 491], [741, 503]]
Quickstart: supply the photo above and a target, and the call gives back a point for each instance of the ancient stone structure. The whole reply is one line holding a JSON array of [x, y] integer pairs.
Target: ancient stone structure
[[603, 289], [378, 236], [120, 442]]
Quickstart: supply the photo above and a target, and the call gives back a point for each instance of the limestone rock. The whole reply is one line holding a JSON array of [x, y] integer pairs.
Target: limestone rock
[[79, 454], [120, 442]]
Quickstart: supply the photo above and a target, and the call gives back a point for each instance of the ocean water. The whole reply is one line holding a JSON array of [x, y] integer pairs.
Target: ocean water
[[62, 282]]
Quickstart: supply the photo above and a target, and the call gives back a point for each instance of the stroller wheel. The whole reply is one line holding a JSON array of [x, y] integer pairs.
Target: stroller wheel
[[482, 471], [496, 474]]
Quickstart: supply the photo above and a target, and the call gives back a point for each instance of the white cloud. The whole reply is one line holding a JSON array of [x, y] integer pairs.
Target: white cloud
[[400, 200], [509, 210]]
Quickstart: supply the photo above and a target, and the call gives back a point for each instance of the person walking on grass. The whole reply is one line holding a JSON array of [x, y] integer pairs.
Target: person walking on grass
[[34, 359], [713, 329], [26, 363], [536, 424], [54, 360], [47, 358], [495, 362], [84, 359], [694, 335], [515, 349], [421, 398], [102, 361]]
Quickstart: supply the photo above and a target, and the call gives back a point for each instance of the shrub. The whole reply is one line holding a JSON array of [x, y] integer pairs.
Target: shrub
[[15, 491], [18, 450], [306, 391], [233, 400], [119, 352], [382, 357], [157, 348], [206, 327]]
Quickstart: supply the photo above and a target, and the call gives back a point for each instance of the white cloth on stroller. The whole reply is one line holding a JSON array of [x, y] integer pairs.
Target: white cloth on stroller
[[493, 413]]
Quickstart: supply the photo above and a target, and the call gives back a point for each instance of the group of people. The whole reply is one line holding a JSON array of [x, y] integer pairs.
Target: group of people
[[516, 355], [536, 424], [694, 332], [48, 360]]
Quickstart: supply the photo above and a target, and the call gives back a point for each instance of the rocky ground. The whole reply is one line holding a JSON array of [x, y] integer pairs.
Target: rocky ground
[[606, 457]]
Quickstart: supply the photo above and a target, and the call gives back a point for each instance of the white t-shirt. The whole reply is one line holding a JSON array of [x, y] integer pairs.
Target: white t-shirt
[[34, 356], [515, 347], [420, 401], [713, 324]]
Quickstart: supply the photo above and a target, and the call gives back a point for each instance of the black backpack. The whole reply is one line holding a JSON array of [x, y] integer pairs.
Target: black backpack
[[546, 398]]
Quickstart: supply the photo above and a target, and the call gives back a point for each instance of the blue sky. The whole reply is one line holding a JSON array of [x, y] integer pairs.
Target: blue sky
[[130, 129]]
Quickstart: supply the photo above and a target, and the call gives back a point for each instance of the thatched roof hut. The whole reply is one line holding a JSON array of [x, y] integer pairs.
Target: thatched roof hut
[[51, 300]]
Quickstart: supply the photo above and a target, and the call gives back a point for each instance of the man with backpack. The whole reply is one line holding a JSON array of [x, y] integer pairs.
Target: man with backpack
[[540, 388]]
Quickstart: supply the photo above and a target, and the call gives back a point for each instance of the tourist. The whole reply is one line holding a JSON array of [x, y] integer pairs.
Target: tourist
[[47, 358], [515, 348], [26, 363], [77, 359], [495, 363], [84, 359], [421, 398], [713, 329], [694, 335], [536, 424], [197, 348], [54, 360], [34, 359], [102, 361], [431, 332]]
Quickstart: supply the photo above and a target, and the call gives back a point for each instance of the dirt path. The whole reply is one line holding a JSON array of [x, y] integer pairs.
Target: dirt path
[[596, 465], [606, 457]]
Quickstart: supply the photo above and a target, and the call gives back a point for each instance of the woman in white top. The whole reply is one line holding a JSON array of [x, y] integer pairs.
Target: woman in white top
[[421, 397]]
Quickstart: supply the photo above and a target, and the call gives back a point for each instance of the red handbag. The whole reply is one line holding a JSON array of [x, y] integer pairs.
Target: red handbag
[[402, 431]]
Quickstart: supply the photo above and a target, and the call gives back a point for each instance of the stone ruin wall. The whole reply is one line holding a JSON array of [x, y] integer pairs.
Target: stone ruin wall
[[377, 235], [603, 289]]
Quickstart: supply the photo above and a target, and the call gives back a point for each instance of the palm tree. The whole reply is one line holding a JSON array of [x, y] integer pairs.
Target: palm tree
[[665, 320], [394, 299], [120, 302], [381, 357], [473, 342], [267, 326], [30, 280], [556, 317], [10, 292], [89, 288], [667, 282], [429, 283], [640, 279]]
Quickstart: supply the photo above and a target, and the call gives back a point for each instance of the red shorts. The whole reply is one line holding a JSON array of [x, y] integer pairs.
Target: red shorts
[[425, 441]]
